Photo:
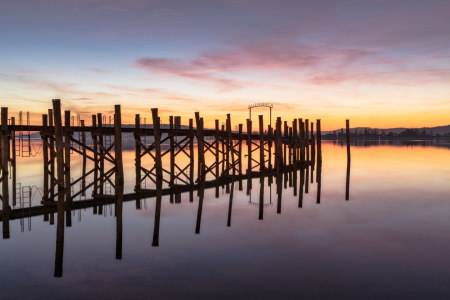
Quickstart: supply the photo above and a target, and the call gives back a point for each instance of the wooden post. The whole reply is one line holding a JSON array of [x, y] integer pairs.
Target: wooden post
[[307, 139], [102, 155], [240, 152], [83, 168], [200, 145], [313, 152], [279, 146], [249, 146], [52, 157], [261, 144], [294, 136], [230, 146], [302, 142], [157, 137], [286, 133], [217, 155], [13, 162], [137, 155], [60, 184], [347, 181], [4, 176], [191, 152], [67, 134], [269, 148], [119, 178], [172, 155], [319, 140], [45, 158], [96, 163]]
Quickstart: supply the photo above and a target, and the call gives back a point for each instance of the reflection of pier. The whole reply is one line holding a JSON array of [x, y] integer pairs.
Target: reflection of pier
[[169, 159]]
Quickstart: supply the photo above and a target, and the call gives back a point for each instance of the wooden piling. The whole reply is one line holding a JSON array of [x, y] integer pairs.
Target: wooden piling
[[157, 139], [261, 144], [67, 184], [4, 166], [319, 140], [45, 158], [249, 146]]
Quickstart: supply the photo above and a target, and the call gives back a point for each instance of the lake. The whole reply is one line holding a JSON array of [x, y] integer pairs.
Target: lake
[[389, 240]]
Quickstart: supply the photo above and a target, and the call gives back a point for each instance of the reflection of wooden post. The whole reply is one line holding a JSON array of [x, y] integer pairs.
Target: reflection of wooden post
[[279, 182], [261, 197], [302, 184], [59, 252], [4, 166], [201, 193], [67, 166], [261, 144], [155, 242], [230, 204]]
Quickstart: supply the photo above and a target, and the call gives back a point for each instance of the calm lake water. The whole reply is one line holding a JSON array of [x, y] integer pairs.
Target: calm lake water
[[390, 240]]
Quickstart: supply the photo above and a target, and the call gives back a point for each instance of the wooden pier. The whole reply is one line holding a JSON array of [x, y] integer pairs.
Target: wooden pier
[[173, 158]]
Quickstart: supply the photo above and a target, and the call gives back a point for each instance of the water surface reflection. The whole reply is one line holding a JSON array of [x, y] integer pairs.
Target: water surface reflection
[[263, 237]]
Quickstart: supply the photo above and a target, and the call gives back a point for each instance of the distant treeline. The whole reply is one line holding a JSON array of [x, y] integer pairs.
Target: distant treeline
[[368, 133]]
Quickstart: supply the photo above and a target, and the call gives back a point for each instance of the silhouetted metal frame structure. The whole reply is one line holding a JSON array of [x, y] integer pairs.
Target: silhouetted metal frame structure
[[261, 104]]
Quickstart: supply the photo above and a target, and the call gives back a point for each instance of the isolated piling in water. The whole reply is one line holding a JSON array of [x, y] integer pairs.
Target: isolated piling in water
[[319, 140], [347, 181], [137, 144]]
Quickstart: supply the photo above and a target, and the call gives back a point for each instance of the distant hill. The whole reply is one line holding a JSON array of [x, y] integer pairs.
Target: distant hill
[[441, 130]]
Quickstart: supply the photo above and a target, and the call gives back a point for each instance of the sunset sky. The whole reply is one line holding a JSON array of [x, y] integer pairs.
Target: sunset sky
[[378, 63]]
